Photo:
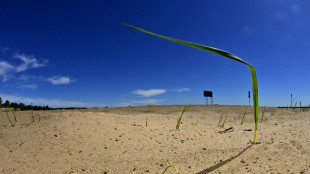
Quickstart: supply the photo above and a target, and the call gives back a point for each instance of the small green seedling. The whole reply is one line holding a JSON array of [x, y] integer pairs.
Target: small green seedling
[[224, 121], [146, 122], [273, 112], [173, 166], [223, 124], [180, 118], [14, 115], [7, 115], [219, 123], [224, 54], [263, 113], [243, 117], [32, 113]]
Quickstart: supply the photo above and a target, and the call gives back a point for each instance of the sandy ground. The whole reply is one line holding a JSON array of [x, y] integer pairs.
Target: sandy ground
[[84, 141]]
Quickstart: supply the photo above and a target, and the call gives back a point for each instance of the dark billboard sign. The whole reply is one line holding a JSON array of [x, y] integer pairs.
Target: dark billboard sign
[[207, 93]]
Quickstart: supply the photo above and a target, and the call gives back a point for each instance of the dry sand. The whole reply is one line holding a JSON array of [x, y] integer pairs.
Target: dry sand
[[84, 141]]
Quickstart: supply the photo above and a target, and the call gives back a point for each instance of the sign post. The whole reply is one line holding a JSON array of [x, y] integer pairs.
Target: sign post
[[249, 98]]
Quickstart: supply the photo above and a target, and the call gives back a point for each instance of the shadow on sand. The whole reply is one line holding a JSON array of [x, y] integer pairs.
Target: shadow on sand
[[216, 166]]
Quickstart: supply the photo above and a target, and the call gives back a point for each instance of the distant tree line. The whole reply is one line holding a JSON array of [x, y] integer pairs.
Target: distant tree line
[[22, 106]]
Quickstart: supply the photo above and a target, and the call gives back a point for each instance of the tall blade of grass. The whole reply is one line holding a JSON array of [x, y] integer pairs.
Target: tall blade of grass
[[7, 115], [223, 125], [180, 118], [221, 53], [219, 124], [32, 113], [14, 115]]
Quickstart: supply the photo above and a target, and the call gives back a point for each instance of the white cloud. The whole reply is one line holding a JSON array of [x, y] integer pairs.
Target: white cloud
[[5, 68], [10, 71], [60, 80], [150, 92], [181, 90], [141, 102], [50, 102], [28, 62]]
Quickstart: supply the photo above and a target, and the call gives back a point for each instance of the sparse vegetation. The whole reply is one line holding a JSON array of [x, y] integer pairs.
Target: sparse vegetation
[[224, 121], [305, 109]]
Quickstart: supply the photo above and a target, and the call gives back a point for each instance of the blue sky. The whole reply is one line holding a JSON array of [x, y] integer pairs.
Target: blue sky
[[75, 53]]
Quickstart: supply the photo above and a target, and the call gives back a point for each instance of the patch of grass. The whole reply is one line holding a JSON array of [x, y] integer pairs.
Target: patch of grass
[[224, 121], [224, 54], [173, 166], [180, 118]]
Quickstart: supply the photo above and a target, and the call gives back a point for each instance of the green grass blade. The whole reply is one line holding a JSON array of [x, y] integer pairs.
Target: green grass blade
[[221, 53], [180, 118], [7, 115], [14, 115], [173, 166], [219, 124]]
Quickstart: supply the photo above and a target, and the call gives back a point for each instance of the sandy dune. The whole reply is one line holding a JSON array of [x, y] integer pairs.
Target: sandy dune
[[84, 141]]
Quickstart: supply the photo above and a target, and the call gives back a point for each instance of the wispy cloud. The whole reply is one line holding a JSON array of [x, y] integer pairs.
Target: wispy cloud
[[150, 92], [3, 50], [24, 85], [9, 69], [14, 63], [60, 80], [28, 62], [5, 68], [181, 90], [50, 102], [141, 102]]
